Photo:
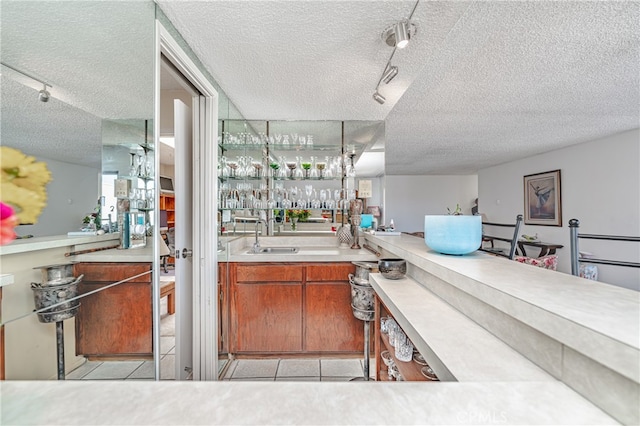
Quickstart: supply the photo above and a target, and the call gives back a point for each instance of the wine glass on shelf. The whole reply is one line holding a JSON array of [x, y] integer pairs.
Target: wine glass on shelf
[[323, 198], [315, 203], [148, 165], [321, 166], [308, 189], [233, 166], [298, 173], [291, 165], [306, 165], [133, 170]]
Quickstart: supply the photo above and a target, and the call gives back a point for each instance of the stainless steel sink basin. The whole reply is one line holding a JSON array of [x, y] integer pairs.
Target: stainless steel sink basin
[[276, 250]]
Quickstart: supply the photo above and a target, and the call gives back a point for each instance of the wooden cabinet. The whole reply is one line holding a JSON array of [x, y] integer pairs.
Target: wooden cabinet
[[411, 371], [329, 322], [223, 309], [168, 204], [266, 310], [293, 308], [116, 322]]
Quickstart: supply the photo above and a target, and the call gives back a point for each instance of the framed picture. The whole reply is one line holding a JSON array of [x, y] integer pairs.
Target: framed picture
[[542, 201], [373, 210]]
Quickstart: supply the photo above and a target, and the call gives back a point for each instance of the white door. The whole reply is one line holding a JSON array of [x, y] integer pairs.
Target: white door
[[184, 238]]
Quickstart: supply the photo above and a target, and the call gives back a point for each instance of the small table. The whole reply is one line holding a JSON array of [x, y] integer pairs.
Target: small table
[[168, 288], [545, 248]]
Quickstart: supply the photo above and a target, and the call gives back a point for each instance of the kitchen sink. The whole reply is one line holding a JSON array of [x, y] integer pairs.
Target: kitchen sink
[[276, 250]]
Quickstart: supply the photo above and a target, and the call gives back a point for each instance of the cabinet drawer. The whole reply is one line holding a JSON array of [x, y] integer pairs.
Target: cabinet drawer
[[330, 271], [251, 272], [112, 272]]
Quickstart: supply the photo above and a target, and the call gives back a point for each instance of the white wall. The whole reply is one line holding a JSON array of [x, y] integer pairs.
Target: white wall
[[72, 194], [409, 198], [600, 185]]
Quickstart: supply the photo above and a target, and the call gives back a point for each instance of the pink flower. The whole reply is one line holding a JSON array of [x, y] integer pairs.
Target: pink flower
[[8, 221]]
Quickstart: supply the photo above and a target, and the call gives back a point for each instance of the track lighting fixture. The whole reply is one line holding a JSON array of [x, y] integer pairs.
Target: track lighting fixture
[[44, 94], [402, 34], [390, 72], [399, 34], [396, 36], [379, 98]]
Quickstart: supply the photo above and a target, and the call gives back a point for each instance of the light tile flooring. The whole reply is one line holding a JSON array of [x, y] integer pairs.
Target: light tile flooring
[[135, 370], [307, 369]]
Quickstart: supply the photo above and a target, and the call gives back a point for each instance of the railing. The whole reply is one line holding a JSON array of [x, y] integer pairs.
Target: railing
[[512, 241], [574, 224]]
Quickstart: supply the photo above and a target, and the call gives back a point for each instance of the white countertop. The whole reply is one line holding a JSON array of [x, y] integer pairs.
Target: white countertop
[[431, 323], [6, 279], [597, 319], [141, 254], [311, 249], [296, 403], [43, 243]]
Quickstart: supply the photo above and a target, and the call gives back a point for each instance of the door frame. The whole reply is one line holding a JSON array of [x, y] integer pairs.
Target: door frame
[[205, 237]]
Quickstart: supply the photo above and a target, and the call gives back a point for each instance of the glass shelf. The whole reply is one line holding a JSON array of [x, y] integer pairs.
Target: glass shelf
[[312, 179], [147, 147], [144, 178]]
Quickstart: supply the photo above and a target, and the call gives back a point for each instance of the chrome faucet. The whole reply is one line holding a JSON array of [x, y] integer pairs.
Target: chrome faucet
[[256, 245]]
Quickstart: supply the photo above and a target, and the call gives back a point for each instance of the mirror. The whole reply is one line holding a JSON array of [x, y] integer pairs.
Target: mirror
[[90, 77], [97, 59]]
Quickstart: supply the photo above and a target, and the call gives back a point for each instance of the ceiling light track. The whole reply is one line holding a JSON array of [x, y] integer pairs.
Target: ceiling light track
[[43, 95], [397, 36]]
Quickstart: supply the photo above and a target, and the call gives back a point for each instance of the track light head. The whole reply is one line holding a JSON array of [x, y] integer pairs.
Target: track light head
[[379, 98], [389, 73], [44, 95], [401, 31], [399, 34]]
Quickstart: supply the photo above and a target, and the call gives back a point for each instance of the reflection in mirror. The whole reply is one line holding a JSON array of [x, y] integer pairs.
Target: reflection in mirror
[[68, 140], [99, 65]]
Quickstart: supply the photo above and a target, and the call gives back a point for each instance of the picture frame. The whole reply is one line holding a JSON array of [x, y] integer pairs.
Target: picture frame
[[373, 210], [542, 199]]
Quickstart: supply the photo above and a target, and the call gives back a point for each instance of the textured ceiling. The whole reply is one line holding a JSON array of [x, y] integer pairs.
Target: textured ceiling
[[97, 55], [28, 126], [481, 83]]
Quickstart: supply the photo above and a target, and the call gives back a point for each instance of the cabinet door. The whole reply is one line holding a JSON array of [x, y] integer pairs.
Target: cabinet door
[[329, 322], [266, 307], [267, 317], [116, 321]]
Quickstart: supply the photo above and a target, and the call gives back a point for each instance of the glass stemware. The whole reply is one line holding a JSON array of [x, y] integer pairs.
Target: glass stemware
[[133, 170], [291, 165], [308, 189], [321, 167], [306, 166], [298, 172]]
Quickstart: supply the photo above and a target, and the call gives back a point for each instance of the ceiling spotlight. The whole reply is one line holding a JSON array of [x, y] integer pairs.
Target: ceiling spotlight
[[379, 98], [44, 95], [401, 31], [389, 73], [399, 34]]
